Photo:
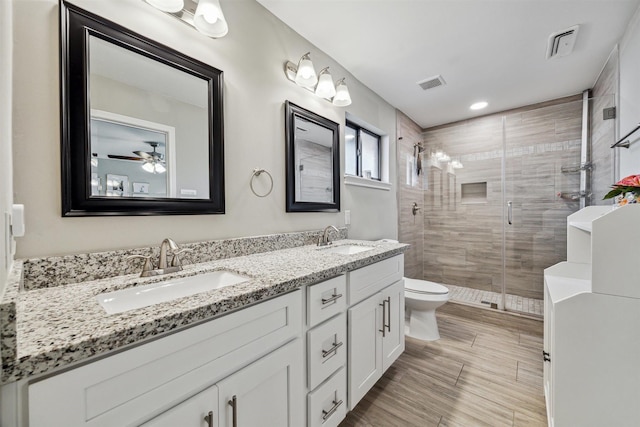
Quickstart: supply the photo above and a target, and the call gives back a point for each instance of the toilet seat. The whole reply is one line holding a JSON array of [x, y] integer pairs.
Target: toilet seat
[[424, 287]]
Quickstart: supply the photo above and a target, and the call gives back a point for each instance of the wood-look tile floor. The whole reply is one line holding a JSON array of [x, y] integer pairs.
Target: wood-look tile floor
[[486, 370]]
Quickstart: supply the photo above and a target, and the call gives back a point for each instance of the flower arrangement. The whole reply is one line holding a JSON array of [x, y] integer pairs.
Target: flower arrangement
[[627, 190]]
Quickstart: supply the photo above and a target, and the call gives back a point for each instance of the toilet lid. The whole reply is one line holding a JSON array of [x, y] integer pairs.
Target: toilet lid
[[424, 287]]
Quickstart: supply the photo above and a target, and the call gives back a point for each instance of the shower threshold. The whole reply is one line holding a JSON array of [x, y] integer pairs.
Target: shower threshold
[[516, 304]]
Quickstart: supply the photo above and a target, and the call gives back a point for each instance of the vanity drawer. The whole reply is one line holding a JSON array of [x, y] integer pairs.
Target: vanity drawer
[[368, 280], [327, 349], [326, 299], [327, 405]]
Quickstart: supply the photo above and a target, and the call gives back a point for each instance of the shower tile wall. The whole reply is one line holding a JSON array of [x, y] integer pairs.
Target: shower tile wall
[[411, 228], [463, 237], [604, 95]]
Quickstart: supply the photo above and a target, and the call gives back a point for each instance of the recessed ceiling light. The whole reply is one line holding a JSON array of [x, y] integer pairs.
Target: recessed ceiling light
[[479, 105]]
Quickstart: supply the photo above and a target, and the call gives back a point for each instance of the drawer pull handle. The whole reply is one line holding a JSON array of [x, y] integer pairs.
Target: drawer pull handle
[[388, 325], [333, 298], [234, 404], [209, 419], [332, 350], [334, 408], [384, 318]]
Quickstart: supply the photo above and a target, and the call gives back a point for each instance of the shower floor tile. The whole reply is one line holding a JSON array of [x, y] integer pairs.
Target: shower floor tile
[[529, 306]]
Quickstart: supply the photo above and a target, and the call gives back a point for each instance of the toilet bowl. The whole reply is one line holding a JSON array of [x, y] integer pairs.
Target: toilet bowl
[[421, 298]]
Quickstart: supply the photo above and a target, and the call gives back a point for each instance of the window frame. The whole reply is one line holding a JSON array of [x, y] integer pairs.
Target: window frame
[[358, 130]]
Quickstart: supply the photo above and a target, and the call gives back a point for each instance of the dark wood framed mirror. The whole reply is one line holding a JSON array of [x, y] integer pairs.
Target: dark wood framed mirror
[[141, 124], [313, 161]]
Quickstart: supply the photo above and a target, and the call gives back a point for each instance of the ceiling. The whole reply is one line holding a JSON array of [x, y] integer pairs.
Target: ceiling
[[491, 50]]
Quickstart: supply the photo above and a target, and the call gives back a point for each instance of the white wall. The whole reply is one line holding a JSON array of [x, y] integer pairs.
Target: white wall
[[6, 183], [630, 96], [252, 57]]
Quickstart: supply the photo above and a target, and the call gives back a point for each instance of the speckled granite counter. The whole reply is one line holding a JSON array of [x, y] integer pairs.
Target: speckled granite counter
[[51, 327]]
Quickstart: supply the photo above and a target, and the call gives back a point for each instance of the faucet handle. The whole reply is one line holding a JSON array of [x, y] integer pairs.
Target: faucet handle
[[175, 261], [148, 264]]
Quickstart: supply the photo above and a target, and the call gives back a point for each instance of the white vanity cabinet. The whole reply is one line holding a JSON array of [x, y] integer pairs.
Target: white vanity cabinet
[[376, 325], [243, 354], [592, 322], [194, 412]]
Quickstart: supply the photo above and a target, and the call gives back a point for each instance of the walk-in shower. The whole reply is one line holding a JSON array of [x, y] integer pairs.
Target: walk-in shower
[[495, 192]]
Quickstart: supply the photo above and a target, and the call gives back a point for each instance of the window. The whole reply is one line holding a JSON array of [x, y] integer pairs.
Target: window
[[362, 152]]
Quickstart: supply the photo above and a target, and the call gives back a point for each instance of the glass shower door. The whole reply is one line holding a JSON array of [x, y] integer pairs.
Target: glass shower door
[[543, 164]]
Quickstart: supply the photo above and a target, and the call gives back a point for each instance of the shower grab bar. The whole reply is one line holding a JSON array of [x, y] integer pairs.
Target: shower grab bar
[[622, 143], [510, 212]]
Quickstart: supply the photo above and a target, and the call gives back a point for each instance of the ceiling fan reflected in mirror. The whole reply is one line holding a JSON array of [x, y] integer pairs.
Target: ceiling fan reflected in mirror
[[153, 161]]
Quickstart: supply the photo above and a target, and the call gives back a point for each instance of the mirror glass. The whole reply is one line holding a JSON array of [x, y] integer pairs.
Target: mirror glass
[[148, 124], [313, 161], [142, 124]]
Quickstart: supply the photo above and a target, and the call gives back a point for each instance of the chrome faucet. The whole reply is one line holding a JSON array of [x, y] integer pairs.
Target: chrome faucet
[[163, 266], [166, 244], [324, 239]]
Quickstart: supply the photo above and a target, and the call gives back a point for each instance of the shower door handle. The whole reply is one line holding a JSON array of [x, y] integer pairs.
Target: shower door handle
[[510, 212]]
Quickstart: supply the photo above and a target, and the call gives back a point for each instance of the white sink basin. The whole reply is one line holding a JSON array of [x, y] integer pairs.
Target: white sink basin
[[347, 249], [143, 296]]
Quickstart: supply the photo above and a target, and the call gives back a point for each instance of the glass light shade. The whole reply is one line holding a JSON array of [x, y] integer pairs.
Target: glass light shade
[[325, 88], [171, 6], [306, 75], [160, 168], [342, 98], [148, 167], [209, 19]]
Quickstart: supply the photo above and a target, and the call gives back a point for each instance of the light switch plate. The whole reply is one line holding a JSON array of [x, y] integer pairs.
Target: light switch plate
[[347, 217]]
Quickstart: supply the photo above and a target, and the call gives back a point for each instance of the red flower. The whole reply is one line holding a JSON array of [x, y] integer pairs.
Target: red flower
[[630, 181]]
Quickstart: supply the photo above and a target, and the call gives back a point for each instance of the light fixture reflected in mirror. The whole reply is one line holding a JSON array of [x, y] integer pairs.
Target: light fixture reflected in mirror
[[304, 75], [205, 15]]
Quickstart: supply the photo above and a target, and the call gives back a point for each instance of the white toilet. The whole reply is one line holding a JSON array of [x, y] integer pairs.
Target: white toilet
[[421, 298]]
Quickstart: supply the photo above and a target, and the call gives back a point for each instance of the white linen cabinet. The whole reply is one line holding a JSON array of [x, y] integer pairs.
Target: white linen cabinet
[[592, 322]]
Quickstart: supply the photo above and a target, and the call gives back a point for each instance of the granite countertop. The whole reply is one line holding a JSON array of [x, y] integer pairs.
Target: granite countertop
[[52, 327]]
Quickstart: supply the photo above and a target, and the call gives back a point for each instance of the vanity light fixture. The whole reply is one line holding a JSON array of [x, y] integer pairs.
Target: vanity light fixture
[[456, 164], [205, 15], [304, 75]]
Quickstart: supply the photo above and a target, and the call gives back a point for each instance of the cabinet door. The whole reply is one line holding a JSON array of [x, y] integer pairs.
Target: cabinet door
[[269, 392], [365, 347], [393, 338], [193, 412]]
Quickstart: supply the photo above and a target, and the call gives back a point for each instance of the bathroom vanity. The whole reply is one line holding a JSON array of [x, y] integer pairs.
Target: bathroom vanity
[[299, 343], [591, 322]]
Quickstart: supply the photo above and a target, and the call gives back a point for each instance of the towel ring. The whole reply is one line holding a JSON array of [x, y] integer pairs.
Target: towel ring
[[258, 172]]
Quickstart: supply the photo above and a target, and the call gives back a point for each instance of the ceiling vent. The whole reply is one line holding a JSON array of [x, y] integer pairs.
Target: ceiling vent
[[432, 82], [562, 42]]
